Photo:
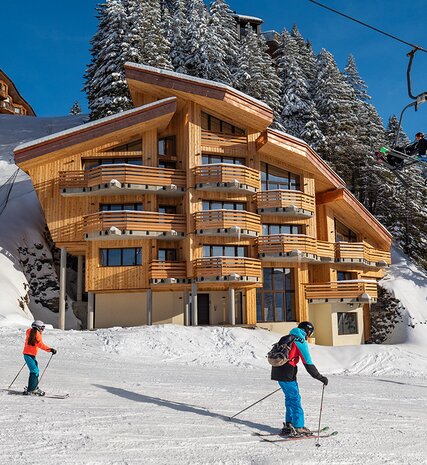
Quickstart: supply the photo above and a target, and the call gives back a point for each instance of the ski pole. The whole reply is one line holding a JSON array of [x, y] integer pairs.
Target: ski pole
[[14, 379], [241, 411], [320, 416], [45, 368]]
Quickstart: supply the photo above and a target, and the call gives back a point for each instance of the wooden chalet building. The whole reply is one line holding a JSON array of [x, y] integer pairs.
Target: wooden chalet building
[[11, 101], [188, 209]]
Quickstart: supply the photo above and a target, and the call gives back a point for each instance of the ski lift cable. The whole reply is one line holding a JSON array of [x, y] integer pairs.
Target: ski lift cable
[[415, 47]]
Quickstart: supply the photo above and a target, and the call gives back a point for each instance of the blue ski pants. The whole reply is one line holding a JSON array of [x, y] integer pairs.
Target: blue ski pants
[[293, 408], [33, 366]]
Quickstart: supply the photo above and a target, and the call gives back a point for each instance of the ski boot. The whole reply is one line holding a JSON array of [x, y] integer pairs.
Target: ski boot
[[303, 431], [287, 429], [36, 392]]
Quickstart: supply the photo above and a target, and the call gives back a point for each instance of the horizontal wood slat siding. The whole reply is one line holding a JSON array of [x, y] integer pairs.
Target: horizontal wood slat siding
[[227, 219], [284, 198], [340, 290], [223, 172], [277, 243], [360, 251], [224, 266], [124, 173], [162, 269]]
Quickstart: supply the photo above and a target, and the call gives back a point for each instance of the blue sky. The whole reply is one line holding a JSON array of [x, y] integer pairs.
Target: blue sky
[[45, 47]]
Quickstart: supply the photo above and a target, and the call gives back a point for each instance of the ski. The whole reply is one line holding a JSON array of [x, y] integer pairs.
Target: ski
[[298, 438], [262, 435], [49, 396]]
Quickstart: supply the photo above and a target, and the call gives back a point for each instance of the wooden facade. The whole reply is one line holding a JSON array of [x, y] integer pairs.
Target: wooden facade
[[11, 101], [209, 217]]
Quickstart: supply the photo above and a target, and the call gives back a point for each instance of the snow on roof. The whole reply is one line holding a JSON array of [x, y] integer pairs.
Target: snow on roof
[[196, 80], [89, 125], [251, 19]]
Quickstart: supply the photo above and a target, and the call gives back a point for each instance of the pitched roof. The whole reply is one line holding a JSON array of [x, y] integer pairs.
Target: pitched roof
[[216, 96], [157, 114], [14, 93]]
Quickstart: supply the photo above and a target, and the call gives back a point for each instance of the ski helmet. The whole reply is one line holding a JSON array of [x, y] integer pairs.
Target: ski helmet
[[419, 134], [307, 327], [38, 324]]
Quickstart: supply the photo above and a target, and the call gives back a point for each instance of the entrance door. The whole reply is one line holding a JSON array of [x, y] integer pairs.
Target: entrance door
[[238, 306], [203, 309]]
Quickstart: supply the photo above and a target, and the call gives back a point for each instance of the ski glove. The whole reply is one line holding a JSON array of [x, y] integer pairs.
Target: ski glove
[[324, 380], [53, 351]]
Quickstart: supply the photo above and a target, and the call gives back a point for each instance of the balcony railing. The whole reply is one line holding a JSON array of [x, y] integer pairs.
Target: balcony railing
[[212, 141], [230, 269], [352, 289], [227, 222], [360, 252], [7, 107], [163, 272], [120, 178], [227, 177], [326, 251], [128, 224], [287, 246], [285, 202]]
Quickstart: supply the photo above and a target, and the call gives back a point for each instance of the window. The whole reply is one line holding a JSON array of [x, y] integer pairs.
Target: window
[[94, 162], [208, 159], [121, 257], [270, 229], [274, 178], [210, 123], [345, 275], [276, 299], [343, 233], [167, 255], [166, 146], [134, 146], [171, 165], [108, 207], [170, 209], [223, 205], [347, 323], [225, 251]]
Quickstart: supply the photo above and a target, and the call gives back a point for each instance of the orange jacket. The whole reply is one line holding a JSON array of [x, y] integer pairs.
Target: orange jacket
[[32, 350]]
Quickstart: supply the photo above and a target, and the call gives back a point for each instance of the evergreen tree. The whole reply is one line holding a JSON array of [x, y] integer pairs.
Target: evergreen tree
[[224, 44], [176, 35], [355, 81], [391, 133], [255, 74], [75, 109], [106, 86]]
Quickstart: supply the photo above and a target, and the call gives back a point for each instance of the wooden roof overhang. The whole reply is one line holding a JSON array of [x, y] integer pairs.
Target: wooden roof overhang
[[330, 188], [14, 93], [91, 135], [220, 98]]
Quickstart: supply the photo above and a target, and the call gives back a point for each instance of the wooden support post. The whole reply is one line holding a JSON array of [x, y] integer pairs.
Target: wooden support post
[[90, 310], [186, 300], [194, 304], [62, 288], [79, 278], [149, 307]]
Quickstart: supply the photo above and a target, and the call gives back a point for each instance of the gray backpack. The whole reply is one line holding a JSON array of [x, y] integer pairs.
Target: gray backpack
[[279, 353]]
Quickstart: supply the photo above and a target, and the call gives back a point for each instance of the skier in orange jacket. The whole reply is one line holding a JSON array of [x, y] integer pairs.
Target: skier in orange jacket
[[34, 342]]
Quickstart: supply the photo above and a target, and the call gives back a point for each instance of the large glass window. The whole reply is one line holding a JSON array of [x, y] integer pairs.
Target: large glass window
[[270, 229], [167, 255], [223, 205], [276, 299], [225, 251], [345, 275], [274, 178], [109, 207], [347, 323], [170, 209], [134, 146], [167, 146], [208, 159], [121, 257], [343, 233], [94, 162], [210, 123]]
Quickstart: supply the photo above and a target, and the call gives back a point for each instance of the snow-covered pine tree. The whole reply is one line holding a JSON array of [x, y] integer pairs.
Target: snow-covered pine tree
[[255, 74], [75, 109], [391, 133], [146, 36], [178, 24], [224, 45], [353, 78], [105, 83], [335, 102]]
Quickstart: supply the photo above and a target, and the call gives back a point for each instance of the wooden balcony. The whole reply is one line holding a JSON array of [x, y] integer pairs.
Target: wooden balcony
[[3, 91], [168, 273], [237, 223], [288, 247], [6, 107], [360, 252], [129, 224], [326, 251], [122, 179], [285, 203], [224, 177], [231, 144], [351, 290], [237, 270]]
